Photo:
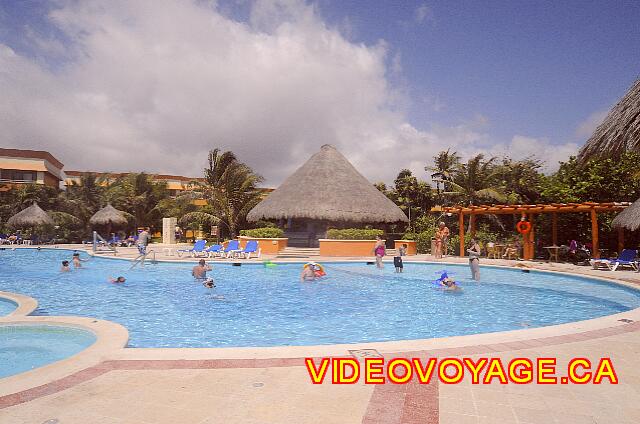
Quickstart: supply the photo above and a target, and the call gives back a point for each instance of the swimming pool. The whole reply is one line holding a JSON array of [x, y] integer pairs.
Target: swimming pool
[[25, 347], [7, 306], [162, 306]]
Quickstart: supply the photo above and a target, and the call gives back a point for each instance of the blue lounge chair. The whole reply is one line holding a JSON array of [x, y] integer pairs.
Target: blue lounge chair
[[198, 248], [251, 247], [232, 248], [214, 249], [626, 258]]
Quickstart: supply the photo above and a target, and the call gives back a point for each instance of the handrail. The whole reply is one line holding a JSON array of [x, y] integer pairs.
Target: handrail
[[97, 236], [142, 257]]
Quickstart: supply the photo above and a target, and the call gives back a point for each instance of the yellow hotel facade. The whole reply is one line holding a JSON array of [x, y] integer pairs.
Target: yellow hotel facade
[[18, 166]]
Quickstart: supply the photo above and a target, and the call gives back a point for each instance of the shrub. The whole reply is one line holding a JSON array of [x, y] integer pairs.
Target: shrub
[[409, 236], [353, 234], [423, 240], [267, 232]]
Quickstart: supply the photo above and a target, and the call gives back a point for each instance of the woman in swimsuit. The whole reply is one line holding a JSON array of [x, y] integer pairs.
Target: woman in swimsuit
[[379, 250]]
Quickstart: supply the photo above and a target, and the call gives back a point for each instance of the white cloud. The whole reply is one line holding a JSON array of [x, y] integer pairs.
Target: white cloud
[[154, 85], [585, 129], [422, 13], [521, 147]]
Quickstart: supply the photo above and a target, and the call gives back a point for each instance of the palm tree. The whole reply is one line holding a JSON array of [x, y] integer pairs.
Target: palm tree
[[139, 195], [231, 189], [475, 180], [446, 163]]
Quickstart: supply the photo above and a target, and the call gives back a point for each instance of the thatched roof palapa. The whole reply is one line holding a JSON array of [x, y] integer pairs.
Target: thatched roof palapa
[[107, 216], [327, 187], [628, 218], [619, 132], [30, 217]]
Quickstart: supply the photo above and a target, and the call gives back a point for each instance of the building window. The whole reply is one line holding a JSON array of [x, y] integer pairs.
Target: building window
[[17, 175]]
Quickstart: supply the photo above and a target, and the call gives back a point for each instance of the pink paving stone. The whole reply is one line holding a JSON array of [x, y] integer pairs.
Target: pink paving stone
[[385, 406]]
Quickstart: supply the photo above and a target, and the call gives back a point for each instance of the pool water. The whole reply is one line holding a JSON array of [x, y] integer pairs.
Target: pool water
[[7, 306], [25, 347], [162, 306]]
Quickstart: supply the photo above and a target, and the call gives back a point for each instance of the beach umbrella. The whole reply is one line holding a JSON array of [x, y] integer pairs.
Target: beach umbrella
[[30, 217], [628, 218], [108, 216]]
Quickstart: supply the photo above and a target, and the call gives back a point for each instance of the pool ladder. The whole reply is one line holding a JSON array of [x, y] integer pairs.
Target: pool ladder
[[140, 260]]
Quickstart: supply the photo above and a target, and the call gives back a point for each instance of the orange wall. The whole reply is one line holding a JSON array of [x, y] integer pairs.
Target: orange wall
[[329, 247], [411, 246], [269, 246]]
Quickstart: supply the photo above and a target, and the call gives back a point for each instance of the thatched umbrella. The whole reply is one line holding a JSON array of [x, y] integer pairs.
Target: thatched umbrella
[[30, 217], [327, 187], [619, 132], [108, 216], [628, 218]]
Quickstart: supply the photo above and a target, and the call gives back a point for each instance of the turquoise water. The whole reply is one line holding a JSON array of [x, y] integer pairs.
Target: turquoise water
[[6, 306], [25, 347], [162, 306]]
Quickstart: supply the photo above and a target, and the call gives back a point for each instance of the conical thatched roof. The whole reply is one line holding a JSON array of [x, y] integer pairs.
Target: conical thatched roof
[[328, 187], [108, 215], [619, 132], [628, 218], [30, 217]]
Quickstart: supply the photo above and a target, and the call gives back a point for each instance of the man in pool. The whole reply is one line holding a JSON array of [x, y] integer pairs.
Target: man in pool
[[199, 271], [65, 267]]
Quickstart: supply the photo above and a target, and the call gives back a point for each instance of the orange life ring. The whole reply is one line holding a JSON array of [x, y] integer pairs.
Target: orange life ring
[[523, 227]]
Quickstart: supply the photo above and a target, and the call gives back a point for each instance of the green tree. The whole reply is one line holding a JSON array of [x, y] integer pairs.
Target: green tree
[[231, 189], [598, 180], [138, 195], [521, 179], [411, 195], [476, 181]]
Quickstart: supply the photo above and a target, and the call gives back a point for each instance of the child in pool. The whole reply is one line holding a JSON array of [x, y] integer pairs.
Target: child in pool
[[65, 267], [449, 284], [77, 262], [117, 280]]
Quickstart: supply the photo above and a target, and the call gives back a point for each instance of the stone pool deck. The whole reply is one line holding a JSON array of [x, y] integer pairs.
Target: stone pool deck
[[271, 385]]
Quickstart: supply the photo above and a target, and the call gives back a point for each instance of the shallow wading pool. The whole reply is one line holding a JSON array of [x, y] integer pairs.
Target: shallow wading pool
[[25, 347], [252, 305], [7, 306]]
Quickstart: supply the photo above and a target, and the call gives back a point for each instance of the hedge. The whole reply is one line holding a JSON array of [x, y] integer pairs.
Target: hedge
[[353, 234], [266, 232]]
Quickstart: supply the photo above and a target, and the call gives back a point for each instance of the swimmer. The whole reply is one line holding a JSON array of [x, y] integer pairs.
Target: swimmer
[[118, 280], [308, 273], [208, 283], [449, 284], [199, 271], [65, 267], [77, 262]]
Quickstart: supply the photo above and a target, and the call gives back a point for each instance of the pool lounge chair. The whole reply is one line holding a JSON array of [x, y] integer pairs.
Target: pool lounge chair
[[232, 248], [251, 247], [214, 250], [626, 258], [197, 249]]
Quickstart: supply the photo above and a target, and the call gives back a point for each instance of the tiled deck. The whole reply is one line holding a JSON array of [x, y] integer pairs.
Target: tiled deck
[[197, 386]]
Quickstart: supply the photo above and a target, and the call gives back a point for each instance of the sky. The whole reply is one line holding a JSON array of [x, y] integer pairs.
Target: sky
[[153, 85]]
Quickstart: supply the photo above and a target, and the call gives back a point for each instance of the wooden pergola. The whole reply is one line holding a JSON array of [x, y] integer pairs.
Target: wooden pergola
[[529, 211]]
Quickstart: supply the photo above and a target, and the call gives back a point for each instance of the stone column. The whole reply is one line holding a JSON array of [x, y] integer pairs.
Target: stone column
[[169, 230]]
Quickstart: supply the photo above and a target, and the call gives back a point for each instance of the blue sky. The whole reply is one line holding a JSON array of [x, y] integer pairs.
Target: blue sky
[[444, 74], [532, 67]]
